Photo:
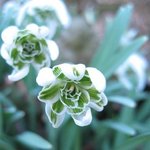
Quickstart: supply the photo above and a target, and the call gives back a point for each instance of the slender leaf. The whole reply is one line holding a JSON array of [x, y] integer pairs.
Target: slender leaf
[[122, 100], [134, 142], [120, 127], [33, 140], [113, 34], [69, 132], [5, 145], [114, 62]]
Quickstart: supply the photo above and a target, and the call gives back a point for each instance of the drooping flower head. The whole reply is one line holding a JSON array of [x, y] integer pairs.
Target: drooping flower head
[[132, 73], [72, 89], [21, 48], [51, 13]]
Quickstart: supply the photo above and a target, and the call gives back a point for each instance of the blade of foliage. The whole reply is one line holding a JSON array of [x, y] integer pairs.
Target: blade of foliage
[[5, 145], [6, 101], [1, 120], [113, 35], [122, 100], [114, 62], [121, 127], [69, 132], [33, 140], [134, 142], [109, 55], [144, 110]]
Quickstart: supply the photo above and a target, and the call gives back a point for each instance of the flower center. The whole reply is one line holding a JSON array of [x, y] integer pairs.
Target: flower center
[[28, 47]]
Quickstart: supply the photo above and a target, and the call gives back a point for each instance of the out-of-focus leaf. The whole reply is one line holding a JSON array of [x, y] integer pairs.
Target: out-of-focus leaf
[[5, 145], [6, 100], [69, 132], [134, 142], [1, 120], [144, 110], [112, 63], [113, 34], [110, 54], [120, 127], [122, 100], [33, 140]]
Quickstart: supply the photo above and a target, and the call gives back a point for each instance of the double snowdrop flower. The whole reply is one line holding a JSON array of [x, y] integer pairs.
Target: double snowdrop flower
[[72, 89], [21, 48], [53, 13], [136, 65]]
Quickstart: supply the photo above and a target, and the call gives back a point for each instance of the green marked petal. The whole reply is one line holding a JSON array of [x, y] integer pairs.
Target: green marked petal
[[85, 82], [56, 71], [84, 99], [49, 92], [67, 102], [97, 106], [14, 54], [55, 119], [75, 111], [58, 107], [94, 94], [39, 58]]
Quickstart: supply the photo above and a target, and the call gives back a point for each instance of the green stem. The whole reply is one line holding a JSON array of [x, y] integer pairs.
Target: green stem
[[32, 113], [1, 120]]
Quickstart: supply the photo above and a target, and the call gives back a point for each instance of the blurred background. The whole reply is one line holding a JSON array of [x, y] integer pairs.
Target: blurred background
[[98, 34]]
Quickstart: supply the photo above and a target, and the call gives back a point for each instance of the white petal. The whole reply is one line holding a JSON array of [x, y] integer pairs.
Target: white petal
[[45, 77], [95, 106], [9, 34], [68, 71], [33, 28], [127, 37], [53, 49], [4, 52], [60, 117], [44, 31], [83, 119], [21, 14], [19, 74], [62, 13], [139, 65], [97, 79], [104, 99]]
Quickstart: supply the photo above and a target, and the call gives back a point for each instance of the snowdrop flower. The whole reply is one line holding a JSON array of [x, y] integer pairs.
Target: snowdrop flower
[[24, 47], [72, 89], [50, 12], [128, 37], [138, 65]]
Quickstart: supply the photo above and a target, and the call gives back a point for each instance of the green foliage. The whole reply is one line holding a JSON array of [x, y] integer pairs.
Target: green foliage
[[33, 140], [123, 125]]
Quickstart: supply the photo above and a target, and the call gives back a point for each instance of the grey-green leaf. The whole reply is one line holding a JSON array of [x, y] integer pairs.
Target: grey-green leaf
[[33, 140], [122, 100], [134, 142], [113, 34], [120, 127]]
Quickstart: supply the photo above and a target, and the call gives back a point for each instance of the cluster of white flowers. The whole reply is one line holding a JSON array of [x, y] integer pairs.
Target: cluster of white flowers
[[67, 88]]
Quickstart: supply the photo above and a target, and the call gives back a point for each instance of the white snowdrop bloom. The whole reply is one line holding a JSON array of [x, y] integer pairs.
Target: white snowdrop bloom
[[52, 13], [21, 48], [128, 36], [137, 64], [71, 89]]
